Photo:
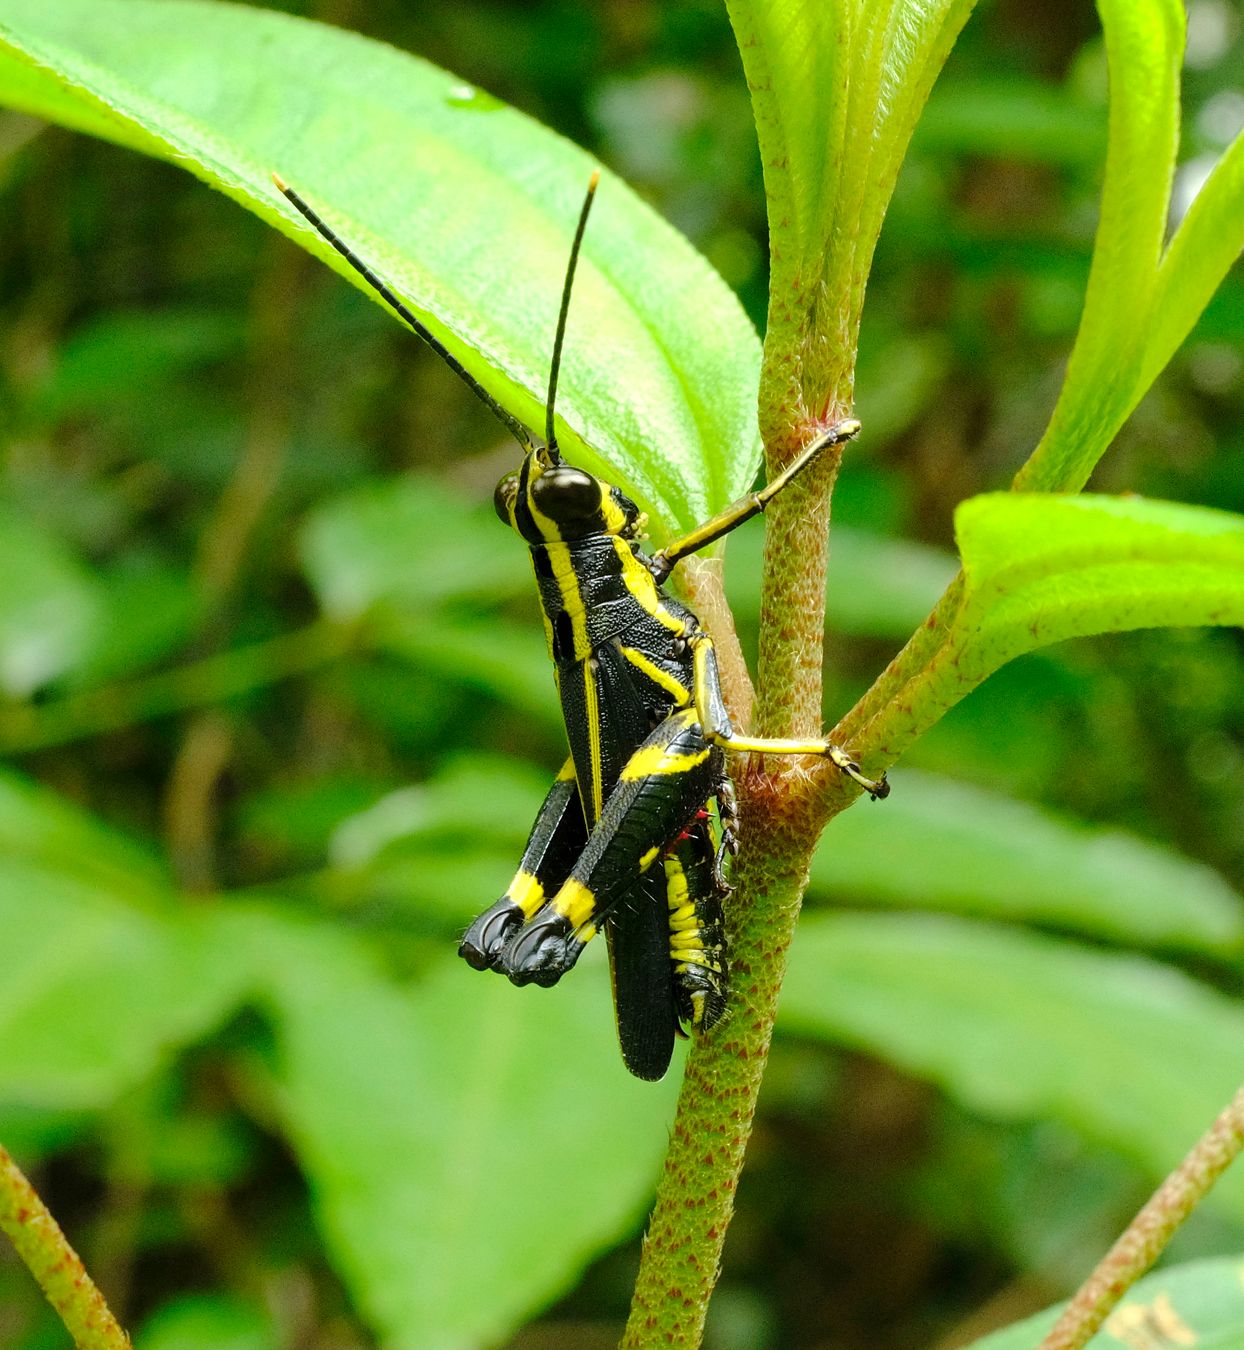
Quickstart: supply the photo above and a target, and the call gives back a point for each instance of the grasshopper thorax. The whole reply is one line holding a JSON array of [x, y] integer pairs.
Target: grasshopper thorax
[[548, 501]]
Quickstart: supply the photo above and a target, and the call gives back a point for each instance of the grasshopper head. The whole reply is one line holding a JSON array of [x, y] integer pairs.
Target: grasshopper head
[[548, 501]]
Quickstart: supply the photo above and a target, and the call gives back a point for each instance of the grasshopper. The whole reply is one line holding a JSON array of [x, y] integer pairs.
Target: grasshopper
[[623, 841]]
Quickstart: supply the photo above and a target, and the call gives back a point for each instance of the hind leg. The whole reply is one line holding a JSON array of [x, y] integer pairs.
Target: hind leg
[[660, 789], [556, 840]]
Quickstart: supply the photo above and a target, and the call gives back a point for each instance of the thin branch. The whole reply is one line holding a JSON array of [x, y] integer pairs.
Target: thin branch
[[54, 1263], [1149, 1232], [203, 683]]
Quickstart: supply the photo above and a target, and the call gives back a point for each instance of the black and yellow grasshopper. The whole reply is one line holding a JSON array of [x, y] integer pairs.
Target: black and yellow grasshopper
[[624, 841]]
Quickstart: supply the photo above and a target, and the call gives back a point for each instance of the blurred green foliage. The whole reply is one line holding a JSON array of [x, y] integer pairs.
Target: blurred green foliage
[[279, 714]]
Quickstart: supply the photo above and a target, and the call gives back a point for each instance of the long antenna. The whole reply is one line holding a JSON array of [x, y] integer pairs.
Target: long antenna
[[550, 437], [385, 292]]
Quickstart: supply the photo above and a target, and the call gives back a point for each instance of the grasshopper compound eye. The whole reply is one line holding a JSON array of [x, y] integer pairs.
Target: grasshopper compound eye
[[504, 497]]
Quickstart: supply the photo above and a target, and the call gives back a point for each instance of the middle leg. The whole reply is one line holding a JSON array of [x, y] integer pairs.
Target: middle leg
[[711, 710]]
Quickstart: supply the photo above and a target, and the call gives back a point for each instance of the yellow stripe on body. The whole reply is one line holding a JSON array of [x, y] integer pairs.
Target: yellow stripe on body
[[593, 739], [676, 893], [651, 760], [526, 892], [686, 935], [610, 512], [662, 678], [638, 580], [562, 567]]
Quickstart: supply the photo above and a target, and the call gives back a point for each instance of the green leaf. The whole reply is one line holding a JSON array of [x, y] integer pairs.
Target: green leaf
[[507, 661], [409, 545], [148, 610], [1020, 1027], [1198, 1304], [1144, 51], [1041, 569], [94, 994], [38, 825], [836, 91], [50, 607], [420, 849], [658, 384], [208, 1322], [447, 808], [125, 356], [471, 1146], [939, 844], [1205, 247]]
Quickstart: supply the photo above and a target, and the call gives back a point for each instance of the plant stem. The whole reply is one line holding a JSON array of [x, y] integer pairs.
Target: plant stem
[[54, 1263], [779, 820], [695, 1199], [1149, 1232]]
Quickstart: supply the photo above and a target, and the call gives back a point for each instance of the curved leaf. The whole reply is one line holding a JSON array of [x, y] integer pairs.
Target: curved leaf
[[1206, 246], [836, 91], [1144, 50], [465, 205], [1041, 569], [1133, 1054], [1198, 1304], [940, 844]]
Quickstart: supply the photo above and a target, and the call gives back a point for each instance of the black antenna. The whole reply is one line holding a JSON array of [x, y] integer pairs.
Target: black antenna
[[550, 438], [515, 427]]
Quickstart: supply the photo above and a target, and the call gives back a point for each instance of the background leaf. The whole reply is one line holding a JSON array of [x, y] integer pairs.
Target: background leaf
[[432, 1174], [98, 994], [946, 845], [1199, 1303], [50, 608], [1017, 1026]]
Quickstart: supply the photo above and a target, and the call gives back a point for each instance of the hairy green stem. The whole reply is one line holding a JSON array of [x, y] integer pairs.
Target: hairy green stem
[[695, 1199], [1149, 1232], [53, 1262], [779, 821]]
